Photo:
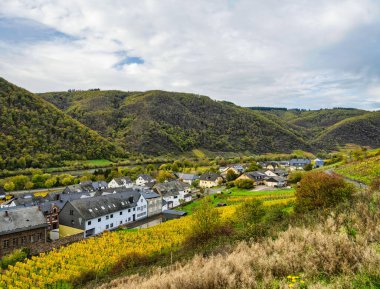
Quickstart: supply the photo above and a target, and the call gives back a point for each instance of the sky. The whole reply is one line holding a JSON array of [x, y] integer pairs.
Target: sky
[[278, 53]]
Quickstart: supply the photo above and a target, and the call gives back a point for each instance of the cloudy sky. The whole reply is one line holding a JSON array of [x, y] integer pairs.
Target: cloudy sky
[[298, 53]]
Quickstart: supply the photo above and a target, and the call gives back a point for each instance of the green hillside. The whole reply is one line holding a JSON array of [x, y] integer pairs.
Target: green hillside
[[159, 122], [33, 132], [362, 130]]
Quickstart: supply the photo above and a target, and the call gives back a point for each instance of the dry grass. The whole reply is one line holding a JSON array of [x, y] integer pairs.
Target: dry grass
[[336, 249]]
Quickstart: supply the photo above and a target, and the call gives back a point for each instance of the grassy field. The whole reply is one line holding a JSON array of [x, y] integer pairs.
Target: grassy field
[[236, 196]]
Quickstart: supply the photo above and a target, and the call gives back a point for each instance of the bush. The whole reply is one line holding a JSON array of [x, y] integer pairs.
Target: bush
[[320, 190], [295, 177], [244, 184], [230, 185], [207, 222], [11, 259]]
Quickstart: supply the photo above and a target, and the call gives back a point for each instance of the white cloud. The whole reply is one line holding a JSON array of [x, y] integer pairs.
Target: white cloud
[[248, 52]]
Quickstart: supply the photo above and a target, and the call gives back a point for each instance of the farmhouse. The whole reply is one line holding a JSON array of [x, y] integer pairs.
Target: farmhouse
[[174, 192], [209, 180], [97, 214], [20, 227]]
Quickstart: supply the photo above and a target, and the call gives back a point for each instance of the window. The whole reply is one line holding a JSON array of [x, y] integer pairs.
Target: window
[[129, 219], [15, 242], [107, 217], [134, 209], [121, 213], [121, 222], [23, 240], [5, 244], [71, 212], [107, 226], [89, 223], [55, 210], [111, 215], [39, 236], [31, 238], [129, 210], [72, 222], [99, 220], [111, 225]]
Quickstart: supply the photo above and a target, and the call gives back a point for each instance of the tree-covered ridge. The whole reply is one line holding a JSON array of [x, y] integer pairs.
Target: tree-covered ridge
[[362, 130], [158, 122], [34, 133]]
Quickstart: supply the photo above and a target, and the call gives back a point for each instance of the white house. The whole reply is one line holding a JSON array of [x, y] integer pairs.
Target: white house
[[277, 182], [209, 180], [187, 178], [98, 214], [270, 173], [145, 180], [120, 182], [174, 193]]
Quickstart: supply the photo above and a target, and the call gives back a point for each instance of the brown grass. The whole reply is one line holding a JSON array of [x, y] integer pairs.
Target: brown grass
[[335, 249]]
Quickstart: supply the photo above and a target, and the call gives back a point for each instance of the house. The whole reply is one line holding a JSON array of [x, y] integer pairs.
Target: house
[[229, 169], [174, 192], [145, 180], [209, 180], [98, 214], [100, 185], [318, 163], [281, 173], [187, 178], [154, 202], [277, 182], [270, 173], [255, 176], [120, 182], [270, 165], [21, 227], [51, 213], [298, 164]]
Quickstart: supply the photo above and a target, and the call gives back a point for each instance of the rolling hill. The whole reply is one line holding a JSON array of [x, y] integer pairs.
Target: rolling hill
[[34, 133], [159, 122]]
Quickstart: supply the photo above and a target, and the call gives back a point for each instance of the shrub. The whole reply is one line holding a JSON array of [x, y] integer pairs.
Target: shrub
[[244, 184], [230, 185], [11, 259], [231, 176], [295, 177], [206, 222], [320, 190]]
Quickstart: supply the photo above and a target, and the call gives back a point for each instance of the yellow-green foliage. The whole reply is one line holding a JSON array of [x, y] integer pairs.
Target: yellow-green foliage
[[365, 171]]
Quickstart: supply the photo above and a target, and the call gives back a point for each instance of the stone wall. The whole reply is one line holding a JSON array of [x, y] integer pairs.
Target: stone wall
[[45, 247]]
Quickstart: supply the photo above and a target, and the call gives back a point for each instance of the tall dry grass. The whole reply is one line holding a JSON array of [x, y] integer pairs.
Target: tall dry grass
[[339, 248]]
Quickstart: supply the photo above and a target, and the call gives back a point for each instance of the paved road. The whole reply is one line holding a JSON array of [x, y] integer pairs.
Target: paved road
[[358, 184], [51, 190]]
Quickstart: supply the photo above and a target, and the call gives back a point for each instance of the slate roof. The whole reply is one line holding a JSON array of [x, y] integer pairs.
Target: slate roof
[[171, 188], [301, 162], [146, 177], [209, 177], [99, 185], [150, 195], [122, 180], [22, 219], [102, 205], [187, 177], [174, 212], [255, 175], [275, 179]]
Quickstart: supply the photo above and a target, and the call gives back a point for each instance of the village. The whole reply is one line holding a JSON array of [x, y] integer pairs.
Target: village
[[90, 208]]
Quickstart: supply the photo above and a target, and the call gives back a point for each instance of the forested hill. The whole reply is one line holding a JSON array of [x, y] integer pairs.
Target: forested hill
[[159, 122], [34, 132]]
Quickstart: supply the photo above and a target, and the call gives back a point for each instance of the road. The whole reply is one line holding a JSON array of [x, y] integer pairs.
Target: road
[[51, 190], [358, 184]]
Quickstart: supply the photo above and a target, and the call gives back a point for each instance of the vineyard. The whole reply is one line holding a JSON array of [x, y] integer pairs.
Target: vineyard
[[364, 171], [98, 256]]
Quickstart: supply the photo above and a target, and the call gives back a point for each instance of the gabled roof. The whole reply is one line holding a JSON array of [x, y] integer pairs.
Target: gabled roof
[[146, 177], [299, 162], [187, 177], [150, 195], [123, 180], [22, 219], [103, 205], [171, 188], [275, 179], [212, 177], [99, 185]]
